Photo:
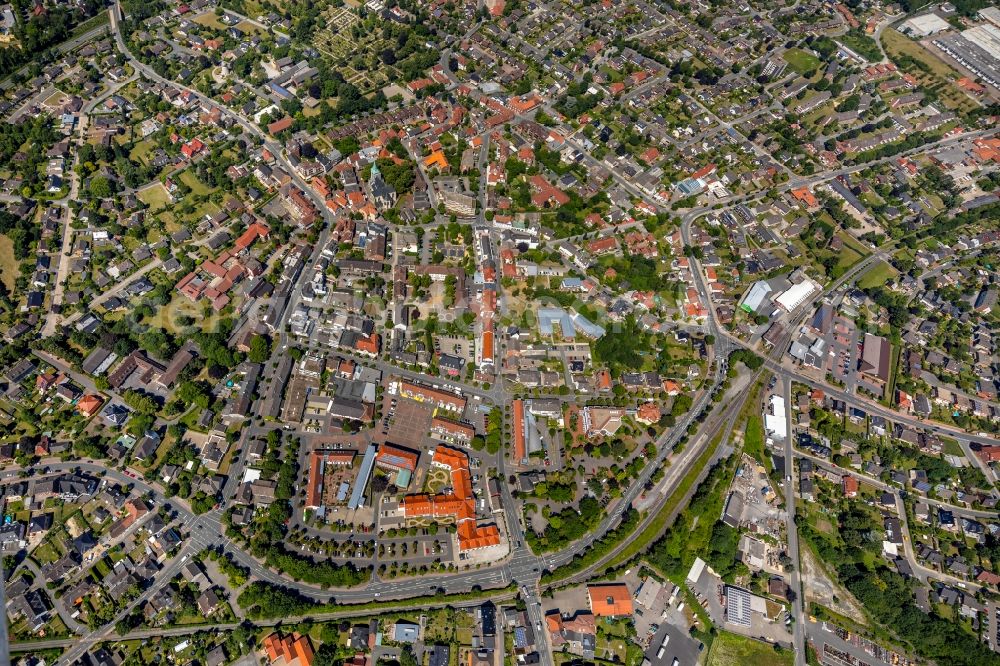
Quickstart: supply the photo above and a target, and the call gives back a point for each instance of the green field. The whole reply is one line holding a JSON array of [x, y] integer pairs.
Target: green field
[[197, 187], [8, 263], [155, 196], [753, 441], [877, 276], [209, 19], [141, 151], [730, 649], [46, 553], [862, 44], [952, 447], [853, 243], [801, 61]]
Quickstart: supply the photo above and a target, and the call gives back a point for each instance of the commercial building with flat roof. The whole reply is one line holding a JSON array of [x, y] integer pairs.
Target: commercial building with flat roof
[[796, 295], [926, 24], [364, 474]]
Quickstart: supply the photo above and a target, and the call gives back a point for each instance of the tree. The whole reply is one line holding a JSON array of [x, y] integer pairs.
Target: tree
[[406, 657], [260, 349], [100, 187], [327, 655]]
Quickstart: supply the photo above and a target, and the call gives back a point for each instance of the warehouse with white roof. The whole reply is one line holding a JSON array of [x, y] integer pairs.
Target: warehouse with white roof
[[921, 26], [796, 295]]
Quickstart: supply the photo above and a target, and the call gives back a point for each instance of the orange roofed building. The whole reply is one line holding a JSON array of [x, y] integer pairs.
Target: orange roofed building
[[806, 197], [850, 486], [520, 451], [610, 600], [254, 231], [290, 650], [396, 458], [436, 160], [89, 405], [459, 504]]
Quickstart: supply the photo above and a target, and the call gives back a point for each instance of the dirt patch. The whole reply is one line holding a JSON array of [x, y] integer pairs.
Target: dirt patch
[[822, 590], [823, 525]]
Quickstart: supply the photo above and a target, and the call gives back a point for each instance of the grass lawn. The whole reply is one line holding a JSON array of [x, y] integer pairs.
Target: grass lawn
[[155, 196], [611, 649], [801, 61], [753, 440], [206, 208], [168, 317], [227, 461], [197, 187], [877, 275], [209, 19], [102, 568], [853, 243], [161, 451], [8, 264], [56, 628], [730, 649], [249, 28], [46, 553], [141, 151], [890, 389], [951, 447]]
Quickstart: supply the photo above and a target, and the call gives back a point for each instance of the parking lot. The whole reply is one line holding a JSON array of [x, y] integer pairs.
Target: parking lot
[[843, 342], [417, 550], [406, 422]]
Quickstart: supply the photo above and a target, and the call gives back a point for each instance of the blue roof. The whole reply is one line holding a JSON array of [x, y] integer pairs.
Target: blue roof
[[549, 318], [367, 463], [569, 323], [690, 186], [279, 90], [405, 632], [589, 328]]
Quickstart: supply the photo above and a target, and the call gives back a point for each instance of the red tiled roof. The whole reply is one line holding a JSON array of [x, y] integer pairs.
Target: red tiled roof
[[610, 600], [520, 450], [279, 126]]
